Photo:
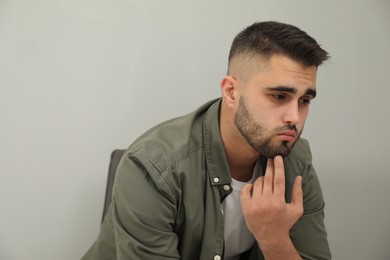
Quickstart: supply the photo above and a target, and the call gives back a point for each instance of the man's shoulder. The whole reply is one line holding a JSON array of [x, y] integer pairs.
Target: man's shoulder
[[172, 140], [301, 151], [299, 160], [165, 142]]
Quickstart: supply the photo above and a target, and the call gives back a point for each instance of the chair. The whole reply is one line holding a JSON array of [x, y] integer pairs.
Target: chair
[[116, 156]]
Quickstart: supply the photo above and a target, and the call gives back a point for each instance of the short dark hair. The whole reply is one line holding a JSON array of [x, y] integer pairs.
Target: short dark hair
[[269, 38]]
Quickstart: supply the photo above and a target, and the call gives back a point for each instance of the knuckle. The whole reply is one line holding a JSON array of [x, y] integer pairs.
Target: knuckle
[[279, 181], [299, 210]]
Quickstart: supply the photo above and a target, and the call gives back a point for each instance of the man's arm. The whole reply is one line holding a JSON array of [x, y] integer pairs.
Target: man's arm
[[143, 213], [309, 234], [267, 214]]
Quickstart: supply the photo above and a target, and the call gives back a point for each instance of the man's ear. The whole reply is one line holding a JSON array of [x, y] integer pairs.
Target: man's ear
[[229, 90]]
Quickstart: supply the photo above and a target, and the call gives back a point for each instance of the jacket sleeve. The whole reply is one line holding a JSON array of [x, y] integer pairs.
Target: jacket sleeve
[[143, 211], [309, 233]]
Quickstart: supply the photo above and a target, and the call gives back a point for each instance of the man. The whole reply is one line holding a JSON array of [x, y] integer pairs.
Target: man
[[232, 180]]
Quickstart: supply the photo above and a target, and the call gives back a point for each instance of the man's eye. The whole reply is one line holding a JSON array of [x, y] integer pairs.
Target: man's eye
[[304, 101], [279, 97]]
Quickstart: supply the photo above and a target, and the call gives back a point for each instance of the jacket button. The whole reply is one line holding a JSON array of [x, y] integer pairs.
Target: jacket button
[[217, 257], [216, 179], [226, 187]]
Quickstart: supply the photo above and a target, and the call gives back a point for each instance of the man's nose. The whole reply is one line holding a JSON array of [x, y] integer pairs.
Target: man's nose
[[292, 114]]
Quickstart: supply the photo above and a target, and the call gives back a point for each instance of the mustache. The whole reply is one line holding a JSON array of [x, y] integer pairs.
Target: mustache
[[287, 127]]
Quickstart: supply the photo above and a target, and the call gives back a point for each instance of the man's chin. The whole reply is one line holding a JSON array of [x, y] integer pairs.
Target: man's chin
[[283, 149], [271, 148]]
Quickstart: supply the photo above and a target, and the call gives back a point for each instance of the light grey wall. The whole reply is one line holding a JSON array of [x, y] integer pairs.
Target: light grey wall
[[80, 78]]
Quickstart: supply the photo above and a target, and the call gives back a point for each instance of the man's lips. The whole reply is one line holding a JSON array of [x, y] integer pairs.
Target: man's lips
[[287, 135]]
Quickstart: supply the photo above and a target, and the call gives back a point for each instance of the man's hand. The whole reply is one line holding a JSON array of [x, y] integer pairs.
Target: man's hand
[[266, 212]]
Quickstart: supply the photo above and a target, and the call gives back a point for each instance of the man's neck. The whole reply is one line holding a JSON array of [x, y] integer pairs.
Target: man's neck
[[241, 158]]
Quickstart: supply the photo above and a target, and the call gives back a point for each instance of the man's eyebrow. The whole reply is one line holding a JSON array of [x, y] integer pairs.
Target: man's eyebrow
[[310, 91], [291, 90]]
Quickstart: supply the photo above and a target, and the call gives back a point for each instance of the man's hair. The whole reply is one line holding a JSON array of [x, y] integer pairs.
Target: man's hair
[[265, 39]]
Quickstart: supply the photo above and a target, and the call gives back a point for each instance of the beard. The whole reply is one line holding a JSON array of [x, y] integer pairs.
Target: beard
[[256, 134]]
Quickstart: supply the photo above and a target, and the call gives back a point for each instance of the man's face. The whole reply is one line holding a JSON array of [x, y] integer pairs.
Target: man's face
[[273, 105]]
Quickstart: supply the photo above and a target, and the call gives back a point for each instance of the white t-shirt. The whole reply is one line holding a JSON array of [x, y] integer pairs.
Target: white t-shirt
[[238, 238]]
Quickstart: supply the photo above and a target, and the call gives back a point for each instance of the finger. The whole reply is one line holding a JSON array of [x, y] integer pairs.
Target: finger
[[258, 186], [296, 192], [279, 178], [268, 177], [245, 196]]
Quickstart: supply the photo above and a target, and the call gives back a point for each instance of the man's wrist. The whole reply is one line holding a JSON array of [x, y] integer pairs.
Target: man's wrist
[[279, 248]]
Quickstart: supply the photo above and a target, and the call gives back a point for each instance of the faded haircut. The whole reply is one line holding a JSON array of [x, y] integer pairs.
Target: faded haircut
[[265, 39]]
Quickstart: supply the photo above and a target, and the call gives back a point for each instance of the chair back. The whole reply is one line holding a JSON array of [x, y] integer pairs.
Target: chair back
[[116, 156]]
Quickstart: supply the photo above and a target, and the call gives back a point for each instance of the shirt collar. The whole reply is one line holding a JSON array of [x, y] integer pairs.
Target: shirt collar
[[218, 168]]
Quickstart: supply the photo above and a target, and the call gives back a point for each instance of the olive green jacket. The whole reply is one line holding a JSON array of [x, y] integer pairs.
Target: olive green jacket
[[168, 191]]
